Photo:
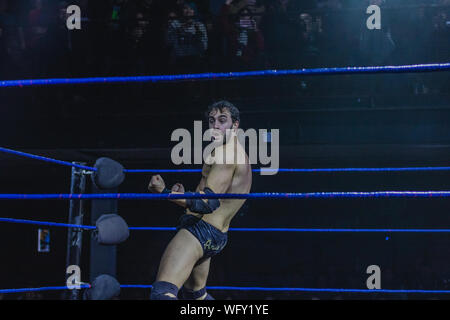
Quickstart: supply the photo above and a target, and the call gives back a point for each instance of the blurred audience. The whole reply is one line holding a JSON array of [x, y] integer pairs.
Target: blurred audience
[[177, 36]]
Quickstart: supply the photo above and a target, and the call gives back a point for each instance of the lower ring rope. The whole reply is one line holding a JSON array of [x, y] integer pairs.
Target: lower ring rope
[[82, 286], [55, 224], [229, 288]]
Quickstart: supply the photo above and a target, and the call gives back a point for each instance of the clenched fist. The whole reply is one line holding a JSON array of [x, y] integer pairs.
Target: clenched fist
[[178, 187], [156, 184]]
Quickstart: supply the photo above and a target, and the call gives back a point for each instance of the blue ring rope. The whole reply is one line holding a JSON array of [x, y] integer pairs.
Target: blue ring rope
[[325, 290], [143, 286], [82, 286], [400, 169], [69, 164], [305, 230], [230, 75], [229, 288], [165, 196], [66, 225], [45, 223], [35, 157]]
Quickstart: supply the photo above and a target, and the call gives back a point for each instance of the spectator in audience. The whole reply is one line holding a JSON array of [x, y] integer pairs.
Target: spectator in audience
[[177, 7], [245, 42], [55, 43], [338, 42], [376, 48], [137, 30], [257, 9], [138, 45], [310, 37], [377, 45], [187, 39], [441, 33], [440, 45], [38, 19], [150, 47]]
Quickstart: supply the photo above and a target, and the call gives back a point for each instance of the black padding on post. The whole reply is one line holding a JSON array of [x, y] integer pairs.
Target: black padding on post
[[104, 287], [109, 174], [111, 229]]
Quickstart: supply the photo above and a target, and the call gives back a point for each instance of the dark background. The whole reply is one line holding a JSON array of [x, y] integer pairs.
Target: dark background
[[324, 121]]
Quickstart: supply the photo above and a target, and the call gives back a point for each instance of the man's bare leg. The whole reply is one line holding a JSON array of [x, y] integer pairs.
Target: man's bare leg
[[194, 287], [177, 262]]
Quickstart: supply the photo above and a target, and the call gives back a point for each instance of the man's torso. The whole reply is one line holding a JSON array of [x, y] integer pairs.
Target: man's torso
[[240, 183]]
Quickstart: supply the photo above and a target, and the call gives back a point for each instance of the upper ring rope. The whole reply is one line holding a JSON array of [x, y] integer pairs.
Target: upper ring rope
[[230, 75], [46, 159], [46, 223], [69, 164]]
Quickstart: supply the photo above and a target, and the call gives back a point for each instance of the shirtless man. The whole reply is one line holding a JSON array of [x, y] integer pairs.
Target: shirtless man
[[202, 232]]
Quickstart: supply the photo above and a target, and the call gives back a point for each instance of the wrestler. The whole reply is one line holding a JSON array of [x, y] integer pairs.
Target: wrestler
[[202, 232]]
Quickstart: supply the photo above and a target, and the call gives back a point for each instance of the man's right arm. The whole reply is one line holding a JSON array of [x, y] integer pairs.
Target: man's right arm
[[218, 180], [215, 179], [178, 188]]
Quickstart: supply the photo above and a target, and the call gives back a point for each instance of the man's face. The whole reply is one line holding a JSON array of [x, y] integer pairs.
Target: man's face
[[306, 20], [220, 121], [245, 21], [188, 11]]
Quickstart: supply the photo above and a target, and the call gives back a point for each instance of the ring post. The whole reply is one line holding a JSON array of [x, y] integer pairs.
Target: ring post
[[102, 257], [75, 235]]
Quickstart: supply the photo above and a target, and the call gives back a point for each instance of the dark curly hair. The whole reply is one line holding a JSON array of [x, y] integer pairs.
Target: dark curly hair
[[221, 106]]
